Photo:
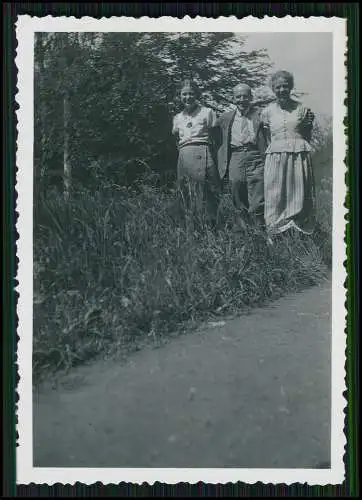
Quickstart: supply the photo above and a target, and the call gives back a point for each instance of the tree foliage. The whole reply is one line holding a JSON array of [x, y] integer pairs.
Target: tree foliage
[[122, 92], [104, 101]]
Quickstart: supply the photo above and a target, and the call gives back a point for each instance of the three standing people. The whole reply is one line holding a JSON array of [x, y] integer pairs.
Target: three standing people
[[266, 155]]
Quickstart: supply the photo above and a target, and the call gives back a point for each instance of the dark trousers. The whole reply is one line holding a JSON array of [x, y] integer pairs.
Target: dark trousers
[[246, 176]]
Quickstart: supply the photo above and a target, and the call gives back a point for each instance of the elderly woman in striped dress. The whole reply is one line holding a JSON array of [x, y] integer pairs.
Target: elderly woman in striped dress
[[288, 175], [197, 173]]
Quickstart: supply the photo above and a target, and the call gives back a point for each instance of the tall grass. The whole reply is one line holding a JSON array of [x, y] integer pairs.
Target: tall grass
[[324, 218], [119, 265]]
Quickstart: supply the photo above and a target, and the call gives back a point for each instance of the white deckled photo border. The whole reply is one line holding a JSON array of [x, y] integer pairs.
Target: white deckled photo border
[[26, 473]]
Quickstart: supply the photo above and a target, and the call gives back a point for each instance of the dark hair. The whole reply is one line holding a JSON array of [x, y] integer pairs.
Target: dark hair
[[192, 85], [282, 74]]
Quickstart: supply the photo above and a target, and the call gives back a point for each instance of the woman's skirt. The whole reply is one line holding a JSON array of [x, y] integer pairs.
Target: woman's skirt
[[198, 179], [289, 192]]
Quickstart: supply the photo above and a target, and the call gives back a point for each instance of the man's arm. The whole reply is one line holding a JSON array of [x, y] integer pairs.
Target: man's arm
[[307, 125]]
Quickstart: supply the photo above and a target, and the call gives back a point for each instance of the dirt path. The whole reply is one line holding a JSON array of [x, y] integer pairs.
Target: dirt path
[[254, 392]]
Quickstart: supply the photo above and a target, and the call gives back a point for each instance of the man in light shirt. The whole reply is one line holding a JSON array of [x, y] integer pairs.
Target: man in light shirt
[[241, 145]]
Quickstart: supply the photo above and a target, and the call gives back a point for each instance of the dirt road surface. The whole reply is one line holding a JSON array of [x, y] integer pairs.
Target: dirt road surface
[[248, 392]]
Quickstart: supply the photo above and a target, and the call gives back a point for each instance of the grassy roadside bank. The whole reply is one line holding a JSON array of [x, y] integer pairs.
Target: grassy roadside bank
[[118, 265]]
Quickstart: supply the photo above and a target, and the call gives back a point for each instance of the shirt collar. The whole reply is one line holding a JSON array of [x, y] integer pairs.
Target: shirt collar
[[246, 114]]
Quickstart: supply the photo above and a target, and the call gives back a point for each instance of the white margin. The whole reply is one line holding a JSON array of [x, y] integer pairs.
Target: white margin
[[25, 28]]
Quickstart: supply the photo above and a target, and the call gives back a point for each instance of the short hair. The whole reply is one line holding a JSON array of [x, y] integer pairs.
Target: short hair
[[192, 85], [285, 75], [239, 85]]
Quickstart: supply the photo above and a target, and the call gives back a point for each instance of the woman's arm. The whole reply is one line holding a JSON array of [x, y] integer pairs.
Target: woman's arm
[[174, 126]]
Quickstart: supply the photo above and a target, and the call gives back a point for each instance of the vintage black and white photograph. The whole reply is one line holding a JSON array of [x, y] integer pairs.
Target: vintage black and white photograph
[[181, 223]]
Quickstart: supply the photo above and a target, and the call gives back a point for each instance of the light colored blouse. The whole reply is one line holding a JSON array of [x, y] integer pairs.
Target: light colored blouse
[[194, 127], [242, 130], [284, 128]]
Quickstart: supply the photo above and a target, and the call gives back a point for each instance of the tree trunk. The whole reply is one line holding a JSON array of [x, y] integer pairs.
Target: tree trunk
[[66, 161]]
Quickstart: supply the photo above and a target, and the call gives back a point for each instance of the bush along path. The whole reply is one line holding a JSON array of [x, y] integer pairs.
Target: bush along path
[[253, 391]]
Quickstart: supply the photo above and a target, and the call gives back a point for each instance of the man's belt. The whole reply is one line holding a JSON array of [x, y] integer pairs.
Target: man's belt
[[244, 147]]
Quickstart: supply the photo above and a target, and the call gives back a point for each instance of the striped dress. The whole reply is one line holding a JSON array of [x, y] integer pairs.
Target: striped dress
[[288, 175]]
